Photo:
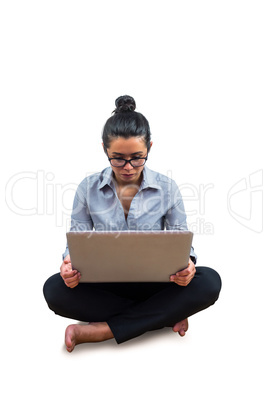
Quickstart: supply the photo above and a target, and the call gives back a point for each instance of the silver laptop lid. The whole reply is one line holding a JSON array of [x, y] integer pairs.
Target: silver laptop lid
[[129, 256]]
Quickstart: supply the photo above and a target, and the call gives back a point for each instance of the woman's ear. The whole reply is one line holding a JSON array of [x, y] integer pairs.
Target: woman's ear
[[151, 143]]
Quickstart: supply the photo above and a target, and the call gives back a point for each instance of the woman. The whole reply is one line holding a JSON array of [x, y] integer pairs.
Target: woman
[[128, 196]]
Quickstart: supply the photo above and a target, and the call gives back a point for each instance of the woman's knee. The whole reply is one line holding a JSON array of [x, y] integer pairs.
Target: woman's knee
[[211, 282], [51, 290]]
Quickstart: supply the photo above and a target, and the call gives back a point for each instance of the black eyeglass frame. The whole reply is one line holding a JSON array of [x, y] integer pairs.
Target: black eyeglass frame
[[128, 161]]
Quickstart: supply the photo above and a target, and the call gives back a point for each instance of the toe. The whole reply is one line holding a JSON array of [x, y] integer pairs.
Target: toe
[[69, 338]]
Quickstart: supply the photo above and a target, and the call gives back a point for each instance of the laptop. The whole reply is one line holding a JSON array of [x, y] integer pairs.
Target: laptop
[[129, 256]]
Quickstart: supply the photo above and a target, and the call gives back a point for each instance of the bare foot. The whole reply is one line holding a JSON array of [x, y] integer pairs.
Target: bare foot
[[181, 327], [93, 332]]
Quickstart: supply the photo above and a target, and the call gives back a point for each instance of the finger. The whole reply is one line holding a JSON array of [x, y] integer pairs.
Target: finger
[[182, 281], [72, 281], [184, 272], [188, 270], [74, 274], [181, 273], [176, 280], [66, 267], [67, 259], [73, 284], [69, 274]]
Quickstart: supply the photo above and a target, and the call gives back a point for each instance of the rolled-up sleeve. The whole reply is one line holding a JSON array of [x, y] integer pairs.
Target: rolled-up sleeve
[[80, 219], [175, 218]]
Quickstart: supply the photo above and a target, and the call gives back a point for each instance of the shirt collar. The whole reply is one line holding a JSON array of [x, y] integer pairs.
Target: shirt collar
[[149, 179], [106, 178]]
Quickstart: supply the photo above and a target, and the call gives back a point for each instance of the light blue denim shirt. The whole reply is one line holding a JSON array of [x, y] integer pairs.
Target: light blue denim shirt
[[158, 205]]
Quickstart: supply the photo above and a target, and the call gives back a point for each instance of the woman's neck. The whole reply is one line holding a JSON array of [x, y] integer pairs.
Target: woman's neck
[[120, 185]]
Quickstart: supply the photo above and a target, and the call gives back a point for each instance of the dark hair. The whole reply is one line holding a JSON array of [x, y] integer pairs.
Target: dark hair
[[126, 123]]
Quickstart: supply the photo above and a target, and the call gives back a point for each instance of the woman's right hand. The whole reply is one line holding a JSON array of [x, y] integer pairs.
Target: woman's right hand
[[71, 277]]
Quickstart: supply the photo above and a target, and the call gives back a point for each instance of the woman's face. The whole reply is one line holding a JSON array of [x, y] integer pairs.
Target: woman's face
[[130, 148]]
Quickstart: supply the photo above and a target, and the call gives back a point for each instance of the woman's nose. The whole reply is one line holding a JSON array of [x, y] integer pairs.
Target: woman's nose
[[128, 166]]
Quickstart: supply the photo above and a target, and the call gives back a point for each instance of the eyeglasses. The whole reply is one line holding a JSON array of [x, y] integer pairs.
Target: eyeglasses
[[135, 162]]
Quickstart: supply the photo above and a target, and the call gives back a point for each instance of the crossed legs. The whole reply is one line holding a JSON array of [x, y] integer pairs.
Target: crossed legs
[[127, 310]]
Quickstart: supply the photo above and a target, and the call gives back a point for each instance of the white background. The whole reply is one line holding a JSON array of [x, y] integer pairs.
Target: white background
[[198, 72]]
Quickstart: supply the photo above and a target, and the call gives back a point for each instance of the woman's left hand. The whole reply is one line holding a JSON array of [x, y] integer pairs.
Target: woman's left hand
[[184, 277]]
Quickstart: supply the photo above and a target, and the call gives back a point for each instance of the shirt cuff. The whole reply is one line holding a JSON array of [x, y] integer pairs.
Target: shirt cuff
[[193, 256], [66, 252]]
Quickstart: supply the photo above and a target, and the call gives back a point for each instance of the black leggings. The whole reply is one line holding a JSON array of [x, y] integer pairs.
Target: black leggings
[[131, 309]]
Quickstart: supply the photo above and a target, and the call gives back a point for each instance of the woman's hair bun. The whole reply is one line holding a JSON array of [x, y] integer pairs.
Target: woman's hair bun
[[125, 103]]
